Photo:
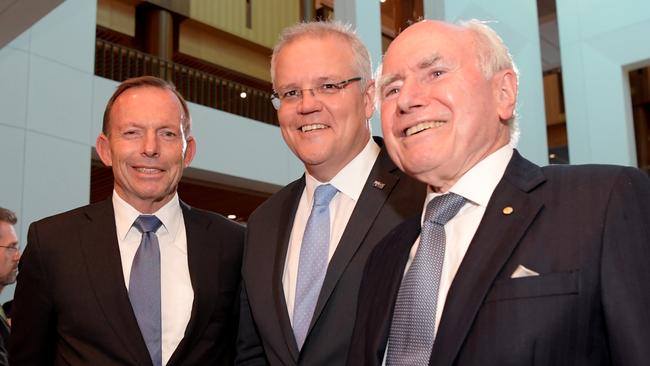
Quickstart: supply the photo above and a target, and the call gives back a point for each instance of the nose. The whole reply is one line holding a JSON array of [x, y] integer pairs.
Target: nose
[[308, 102], [150, 144], [411, 96]]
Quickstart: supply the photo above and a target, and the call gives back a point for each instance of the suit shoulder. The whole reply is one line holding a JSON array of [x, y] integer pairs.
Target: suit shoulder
[[594, 174], [71, 217], [273, 203], [217, 219]]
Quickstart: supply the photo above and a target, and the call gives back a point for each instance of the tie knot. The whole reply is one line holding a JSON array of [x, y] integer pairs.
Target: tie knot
[[147, 223], [443, 208], [324, 194]]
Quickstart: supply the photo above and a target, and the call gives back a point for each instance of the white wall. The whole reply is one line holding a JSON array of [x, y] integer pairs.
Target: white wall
[[600, 41]]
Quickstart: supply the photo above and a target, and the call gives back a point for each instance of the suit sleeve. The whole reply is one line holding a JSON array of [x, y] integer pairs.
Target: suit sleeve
[[250, 351], [625, 271], [33, 334]]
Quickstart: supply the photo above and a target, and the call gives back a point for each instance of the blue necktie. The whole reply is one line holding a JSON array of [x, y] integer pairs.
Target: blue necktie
[[144, 286], [412, 331], [313, 261]]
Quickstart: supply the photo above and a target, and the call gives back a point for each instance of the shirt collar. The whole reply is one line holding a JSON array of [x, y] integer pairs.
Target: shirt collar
[[347, 179], [125, 214], [478, 183]]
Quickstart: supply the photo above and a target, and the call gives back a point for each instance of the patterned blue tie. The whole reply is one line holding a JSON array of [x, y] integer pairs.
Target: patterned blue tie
[[412, 331], [313, 261], [144, 286]]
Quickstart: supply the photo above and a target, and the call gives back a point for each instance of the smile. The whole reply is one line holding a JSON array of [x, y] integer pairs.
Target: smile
[[312, 127], [148, 170], [423, 126]]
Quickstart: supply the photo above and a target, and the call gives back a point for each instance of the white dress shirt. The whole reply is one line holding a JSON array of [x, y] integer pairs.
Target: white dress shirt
[[476, 186], [350, 182], [177, 294]]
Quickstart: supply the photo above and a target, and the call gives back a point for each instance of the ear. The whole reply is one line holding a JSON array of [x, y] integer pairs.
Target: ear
[[505, 88], [103, 148], [369, 99], [190, 150]]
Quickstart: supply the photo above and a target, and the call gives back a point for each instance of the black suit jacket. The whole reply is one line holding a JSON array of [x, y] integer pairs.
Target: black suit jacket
[[4, 339], [266, 336], [72, 307], [584, 229]]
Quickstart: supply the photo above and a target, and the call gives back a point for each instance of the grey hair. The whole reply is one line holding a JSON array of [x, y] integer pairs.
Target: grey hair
[[494, 56], [361, 62]]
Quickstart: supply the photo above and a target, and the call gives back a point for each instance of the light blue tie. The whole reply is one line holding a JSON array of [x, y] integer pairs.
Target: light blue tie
[[144, 286], [313, 261], [412, 331]]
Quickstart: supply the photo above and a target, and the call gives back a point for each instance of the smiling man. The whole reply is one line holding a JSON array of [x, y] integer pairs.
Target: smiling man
[[510, 263], [141, 278], [307, 245]]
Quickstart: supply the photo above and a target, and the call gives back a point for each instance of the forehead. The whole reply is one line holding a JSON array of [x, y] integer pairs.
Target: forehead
[[425, 42], [147, 96], [311, 57], [146, 103], [7, 233]]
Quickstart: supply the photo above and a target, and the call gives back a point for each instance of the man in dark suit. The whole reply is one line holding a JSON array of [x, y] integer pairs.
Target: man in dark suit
[[99, 286], [298, 307], [9, 257], [526, 265]]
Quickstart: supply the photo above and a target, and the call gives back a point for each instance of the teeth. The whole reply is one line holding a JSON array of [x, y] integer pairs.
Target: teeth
[[148, 170], [316, 126], [423, 126]]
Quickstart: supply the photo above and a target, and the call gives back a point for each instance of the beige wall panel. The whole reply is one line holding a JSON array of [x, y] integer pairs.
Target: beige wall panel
[[118, 15], [197, 40], [269, 17]]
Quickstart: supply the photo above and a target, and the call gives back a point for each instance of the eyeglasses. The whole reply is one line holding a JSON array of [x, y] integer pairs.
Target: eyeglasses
[[291, 95], [16, 248]]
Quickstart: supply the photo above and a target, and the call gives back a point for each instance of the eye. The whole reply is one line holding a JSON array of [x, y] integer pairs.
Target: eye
[[437, 73], [293, 93], [131, 133], [390, 91], [168, 133]]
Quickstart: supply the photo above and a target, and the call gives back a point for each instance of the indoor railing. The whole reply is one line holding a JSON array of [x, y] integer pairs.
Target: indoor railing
[[119, 63]]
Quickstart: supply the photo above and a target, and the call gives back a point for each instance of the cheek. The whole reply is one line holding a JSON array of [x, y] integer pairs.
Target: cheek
[[387, 120], [285, 117]]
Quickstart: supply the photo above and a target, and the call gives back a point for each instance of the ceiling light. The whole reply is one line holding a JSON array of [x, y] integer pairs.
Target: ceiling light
[[243, 95], [232, 217]]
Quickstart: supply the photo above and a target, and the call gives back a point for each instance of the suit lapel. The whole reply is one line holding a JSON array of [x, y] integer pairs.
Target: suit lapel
[[285, 224], [497, 236], [370, 202], [383, 288], [99, 246], [200, 257]]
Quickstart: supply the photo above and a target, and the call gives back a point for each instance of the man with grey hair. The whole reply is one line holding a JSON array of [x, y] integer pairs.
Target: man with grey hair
[[9, 257], [307, 245], [510, 263]]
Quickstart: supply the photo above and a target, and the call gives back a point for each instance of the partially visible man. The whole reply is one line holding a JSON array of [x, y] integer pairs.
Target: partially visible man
[[514, 264], [9, 257], [141, 278], [307, 245]]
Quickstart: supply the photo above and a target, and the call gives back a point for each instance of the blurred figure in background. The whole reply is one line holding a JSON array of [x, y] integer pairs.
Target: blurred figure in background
[[9, 257]]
